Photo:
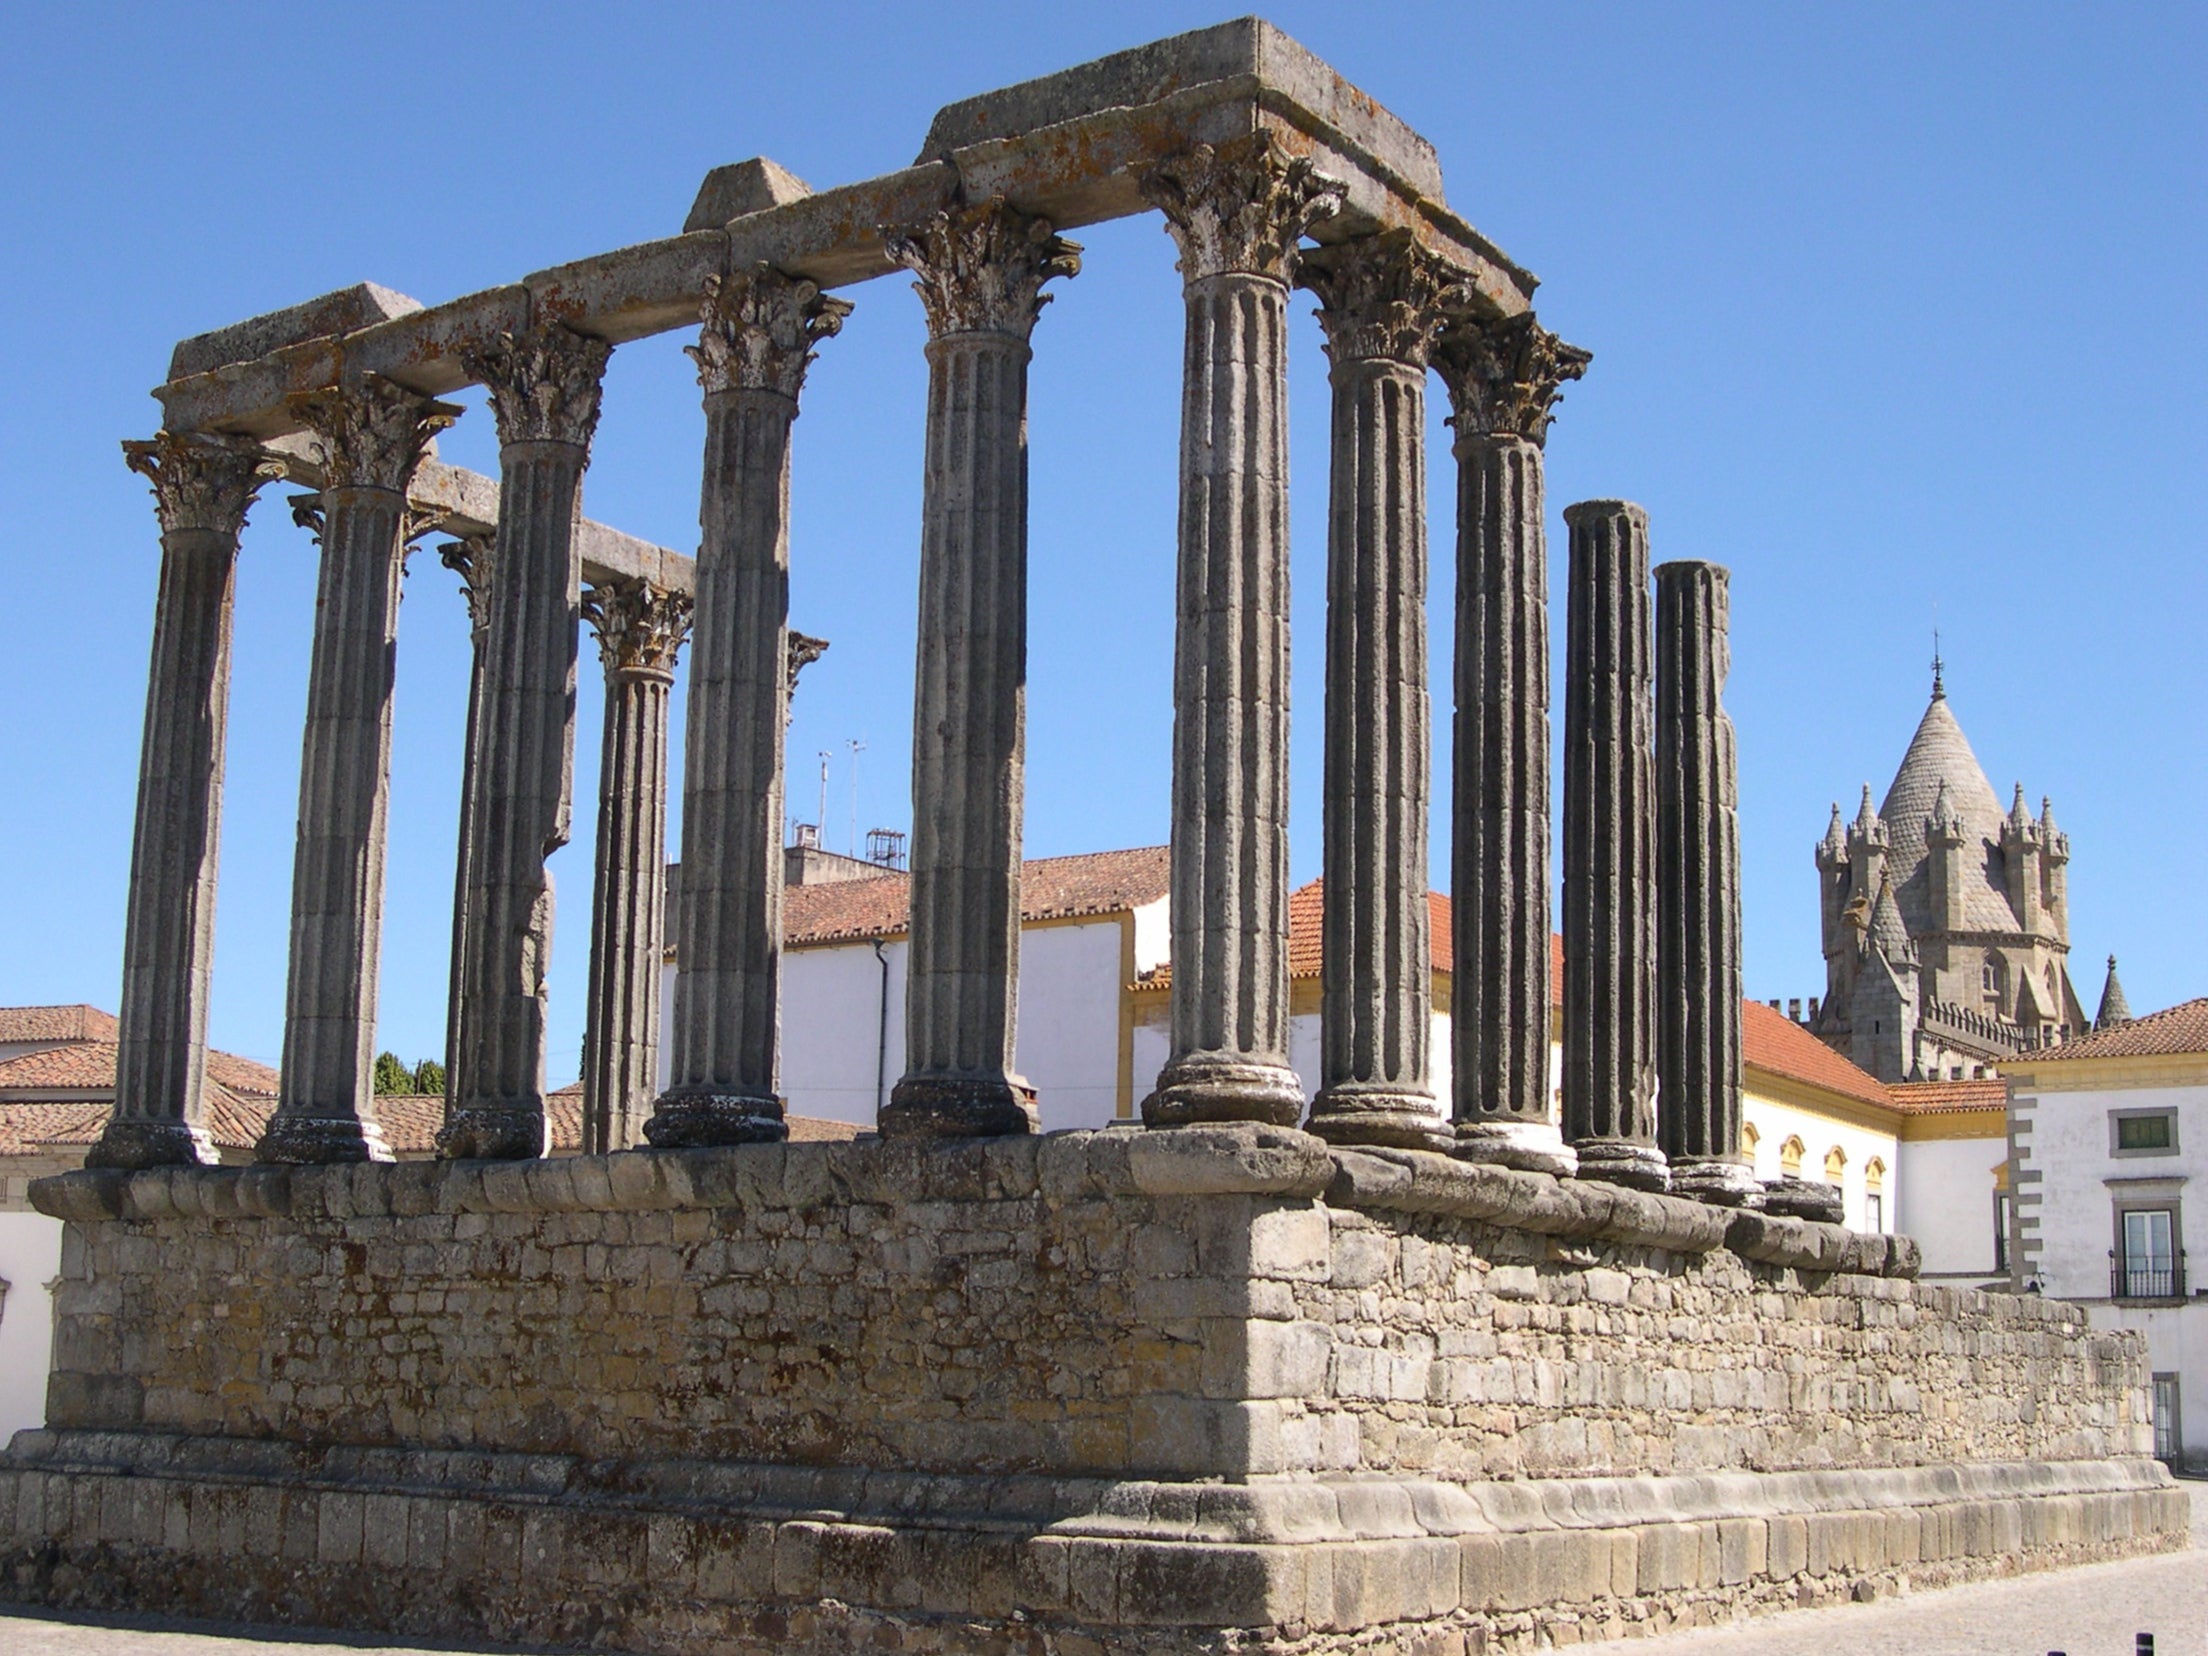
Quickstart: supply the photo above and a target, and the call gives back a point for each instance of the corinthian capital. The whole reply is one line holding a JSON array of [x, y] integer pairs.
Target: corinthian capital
[[472, 557], [202, 481], [544, 383], [1505, 376], [1382, 297], [640, 626], [982, 269], [371, 435], [1240, 206], [760, 330]]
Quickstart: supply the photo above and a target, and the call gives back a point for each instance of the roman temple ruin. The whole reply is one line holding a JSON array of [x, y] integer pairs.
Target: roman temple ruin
[[1398, 1374]]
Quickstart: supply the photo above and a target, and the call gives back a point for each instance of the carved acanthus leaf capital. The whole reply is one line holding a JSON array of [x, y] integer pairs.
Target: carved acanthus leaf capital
[[371, 435], [640, 626], [544, 383], [472, 557], [200, 480], [800, 651], [1505, 375], [1241, 206], [1382, 297], [760, 330], [308, 512], [982, 269]]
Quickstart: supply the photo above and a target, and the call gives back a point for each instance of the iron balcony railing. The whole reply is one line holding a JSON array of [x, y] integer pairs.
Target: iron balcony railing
[[2143, 1279]]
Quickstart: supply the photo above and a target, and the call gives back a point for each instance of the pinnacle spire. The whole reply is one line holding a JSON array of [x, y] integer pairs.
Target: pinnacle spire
[[1939, 689], [1866, 818], [1836, 836], [2115, 1009], [2019, 817]]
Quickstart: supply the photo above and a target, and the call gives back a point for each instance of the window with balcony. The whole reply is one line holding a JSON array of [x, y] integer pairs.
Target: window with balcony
[[2169, 1442], [2148, 1263]]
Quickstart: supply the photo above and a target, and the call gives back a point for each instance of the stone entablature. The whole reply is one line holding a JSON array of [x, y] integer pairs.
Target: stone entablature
[[1142, 1387]]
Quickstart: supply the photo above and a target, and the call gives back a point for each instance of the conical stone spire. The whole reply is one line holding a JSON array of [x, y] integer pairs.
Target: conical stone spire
[[2115, 1009]]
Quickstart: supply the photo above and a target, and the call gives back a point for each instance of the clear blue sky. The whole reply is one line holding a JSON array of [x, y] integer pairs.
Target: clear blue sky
[[1894, 309]]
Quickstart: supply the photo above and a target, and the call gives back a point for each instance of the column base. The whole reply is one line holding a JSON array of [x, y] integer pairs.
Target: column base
[[1527, 1146], [1793, 1198], [132, 1144], [701, 1120], [1622, 1162], [1207, 1087], [311, 1141], [959, 1106], [1392, 1117], [1722, 1181], [493, 1130]]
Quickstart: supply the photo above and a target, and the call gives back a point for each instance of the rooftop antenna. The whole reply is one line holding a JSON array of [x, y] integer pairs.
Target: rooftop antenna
[[822, 819], [857, 747], [1938, 689]]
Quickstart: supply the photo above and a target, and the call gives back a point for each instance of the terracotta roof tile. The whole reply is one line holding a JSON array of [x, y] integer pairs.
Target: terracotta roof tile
[[410, 1122], [1948, 1097], [1051, 888], [1773, 1042], [55, 1023], [2182, 1028]]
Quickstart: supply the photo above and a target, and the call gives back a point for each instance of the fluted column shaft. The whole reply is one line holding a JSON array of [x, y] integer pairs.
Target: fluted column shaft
[[544, 387], [722, 1088], [1381, 309], [640, 629], [981, 272], [1236, 214], [202, 487], [1504, 379], [473, 559], [1609, 851], [1698, 1054], [371, 438]]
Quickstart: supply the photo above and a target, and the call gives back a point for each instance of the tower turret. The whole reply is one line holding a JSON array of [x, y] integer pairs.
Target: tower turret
[[1832, 886], [2021, 856], [1867, 847], [2055, 855], [1944, 836]]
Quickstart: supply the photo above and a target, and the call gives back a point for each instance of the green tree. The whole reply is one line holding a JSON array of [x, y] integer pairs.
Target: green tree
[[429, 1077], [392, 1076]]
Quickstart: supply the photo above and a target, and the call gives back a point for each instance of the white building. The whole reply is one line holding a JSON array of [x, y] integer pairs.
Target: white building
[[2105, 1135]]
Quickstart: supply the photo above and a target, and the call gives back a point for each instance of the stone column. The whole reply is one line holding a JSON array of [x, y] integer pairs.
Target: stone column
[[640, 629], [544, 387], [981, 270], [1382, 305], [472, 558], [1609, 851], [202, 486], [759, 330], [1236, 213], [371, 437], [1697, 890], [1504, 378]]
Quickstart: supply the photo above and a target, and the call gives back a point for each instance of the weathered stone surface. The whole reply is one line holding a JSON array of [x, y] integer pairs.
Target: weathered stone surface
[[980, 274], [1504, 379], [640, 632], [743, 187], [758, 333], [371, 438], [1236, 214], [1383, 301], [345, 311], [202, 487], [544, 392], [1609, 851], [1698, 1052]]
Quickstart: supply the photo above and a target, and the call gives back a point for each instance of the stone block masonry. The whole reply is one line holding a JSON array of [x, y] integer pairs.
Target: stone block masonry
[[1223, 1388]]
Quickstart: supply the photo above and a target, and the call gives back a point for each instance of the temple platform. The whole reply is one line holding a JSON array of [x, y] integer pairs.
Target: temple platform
[[1211, 1389]]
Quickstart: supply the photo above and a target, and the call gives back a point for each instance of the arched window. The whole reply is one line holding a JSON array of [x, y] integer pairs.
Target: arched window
[[1874, 1195], [1790, 1156], [1836, 1164], [1749, 1138], [1874, 1173]]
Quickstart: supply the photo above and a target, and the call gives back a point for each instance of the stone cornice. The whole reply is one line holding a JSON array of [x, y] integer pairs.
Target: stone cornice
[[1240, 207], [545, 383], [371, 435], [202, 481], [759, 330], [1381, 298], [1505, 375], [981, 269]]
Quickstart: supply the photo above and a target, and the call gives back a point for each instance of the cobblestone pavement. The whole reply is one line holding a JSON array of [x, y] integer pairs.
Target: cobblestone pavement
[[2090, 1612]]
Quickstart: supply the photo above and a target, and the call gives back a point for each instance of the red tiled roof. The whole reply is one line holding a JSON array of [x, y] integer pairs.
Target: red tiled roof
[[90, 1065], [1051, 888], [2182, 1028], [55, 1023], [1773, 1042], [1948, 1097], [27, 1128]]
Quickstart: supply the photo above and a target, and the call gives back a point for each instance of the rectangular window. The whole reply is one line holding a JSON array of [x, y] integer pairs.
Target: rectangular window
[[2169, 1442], [2147, 1264], [2001, 1230], [2142, 1132], [1874, 1213]]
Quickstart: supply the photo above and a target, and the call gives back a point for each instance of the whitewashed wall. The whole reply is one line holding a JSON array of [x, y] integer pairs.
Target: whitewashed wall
[[2067, 1137], [30, 1258], [1774, 1121], [1947, 1203]]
